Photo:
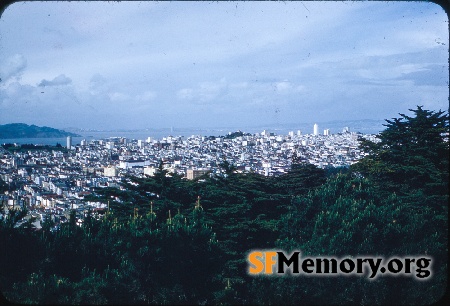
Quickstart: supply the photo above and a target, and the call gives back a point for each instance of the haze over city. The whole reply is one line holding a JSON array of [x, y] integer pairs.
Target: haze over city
[[135, 65]]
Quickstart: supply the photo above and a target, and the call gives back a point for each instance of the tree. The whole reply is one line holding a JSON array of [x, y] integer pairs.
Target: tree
[[3, 186], [411, 157], [302, 178], [227, 167], [395, 205], [349, 216]]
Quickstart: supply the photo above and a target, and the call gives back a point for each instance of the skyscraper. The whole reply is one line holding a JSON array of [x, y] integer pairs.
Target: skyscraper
[[316, 129], [69, 142]]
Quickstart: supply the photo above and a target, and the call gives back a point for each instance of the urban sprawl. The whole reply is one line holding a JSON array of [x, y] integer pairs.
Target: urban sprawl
[[50, 184]]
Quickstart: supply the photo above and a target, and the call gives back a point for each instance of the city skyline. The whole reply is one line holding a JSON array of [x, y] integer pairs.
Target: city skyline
[[144, 65]]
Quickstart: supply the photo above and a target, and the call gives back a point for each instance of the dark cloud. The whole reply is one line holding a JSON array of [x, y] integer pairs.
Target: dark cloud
[[12, 67], [433, 75], [59, 80]]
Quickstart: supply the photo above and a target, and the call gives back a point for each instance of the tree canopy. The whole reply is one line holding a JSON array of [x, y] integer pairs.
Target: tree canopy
[[411, 157]]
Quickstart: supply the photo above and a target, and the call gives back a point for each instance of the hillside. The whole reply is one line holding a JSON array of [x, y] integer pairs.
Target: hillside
[[22, 130]]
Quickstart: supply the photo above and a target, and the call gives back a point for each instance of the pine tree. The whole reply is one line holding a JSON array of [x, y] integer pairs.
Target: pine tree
[[411, 157]]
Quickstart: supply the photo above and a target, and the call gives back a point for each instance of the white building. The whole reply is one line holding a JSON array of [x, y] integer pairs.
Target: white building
[[149, 171], [133, 163], [110, 171], [316, 129]]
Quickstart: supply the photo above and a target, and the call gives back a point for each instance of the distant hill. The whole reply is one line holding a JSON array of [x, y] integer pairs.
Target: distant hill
[[22, 130]]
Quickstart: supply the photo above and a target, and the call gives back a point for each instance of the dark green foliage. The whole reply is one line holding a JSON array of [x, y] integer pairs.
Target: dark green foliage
[[412, 157], [105, 261], [227, 167], [398, 209], [300, 179], [351, 217], [31, 147]]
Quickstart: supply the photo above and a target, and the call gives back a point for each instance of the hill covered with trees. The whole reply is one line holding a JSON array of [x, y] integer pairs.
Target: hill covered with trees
[[22, 130], [166, 240]]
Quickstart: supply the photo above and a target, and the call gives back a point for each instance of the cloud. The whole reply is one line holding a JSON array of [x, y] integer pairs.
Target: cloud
[[205, 91], [185, 93], [208, 91], [118, 97], [283, 86], [59, 80], [146, 96], [16, 94], [12, 67], [287, 87], [431, 75]]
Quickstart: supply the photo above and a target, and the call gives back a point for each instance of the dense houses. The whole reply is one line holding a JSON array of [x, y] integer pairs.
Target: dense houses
[[50, 184]]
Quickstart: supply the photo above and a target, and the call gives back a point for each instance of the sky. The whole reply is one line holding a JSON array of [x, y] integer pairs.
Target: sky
[[137, 65]]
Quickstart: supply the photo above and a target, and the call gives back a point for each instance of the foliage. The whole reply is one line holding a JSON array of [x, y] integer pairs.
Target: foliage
[[411, 157], [235, 135], [105, 261], [350, 216], [3, 186], [32, 147]]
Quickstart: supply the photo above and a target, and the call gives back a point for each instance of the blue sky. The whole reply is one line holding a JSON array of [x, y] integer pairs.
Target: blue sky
[[108, 65]]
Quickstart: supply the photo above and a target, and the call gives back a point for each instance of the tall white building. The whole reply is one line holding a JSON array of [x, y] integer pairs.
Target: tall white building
[[69, 142], [326, 132], [316, 129]]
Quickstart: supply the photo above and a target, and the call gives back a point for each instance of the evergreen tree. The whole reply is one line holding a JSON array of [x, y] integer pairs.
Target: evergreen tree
[[411, 157], [302, 178]]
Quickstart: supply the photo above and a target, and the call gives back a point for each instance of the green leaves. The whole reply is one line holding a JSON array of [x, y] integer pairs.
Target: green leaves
[[412, 153]]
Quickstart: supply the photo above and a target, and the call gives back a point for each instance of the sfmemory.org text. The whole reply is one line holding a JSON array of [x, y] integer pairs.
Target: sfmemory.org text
[[278, 263]]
